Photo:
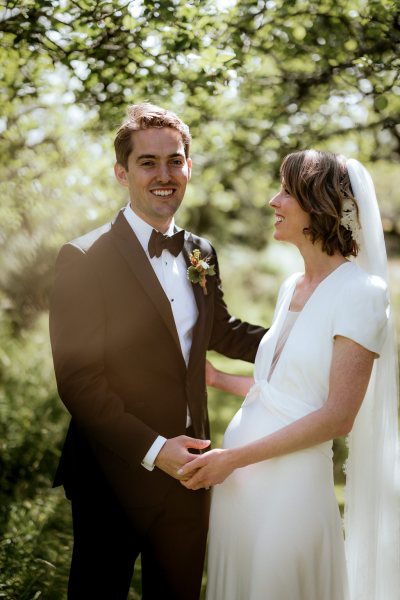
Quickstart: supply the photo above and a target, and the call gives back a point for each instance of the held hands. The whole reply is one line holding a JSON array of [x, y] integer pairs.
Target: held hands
[[206, 470], [192, 470], [175, 453]]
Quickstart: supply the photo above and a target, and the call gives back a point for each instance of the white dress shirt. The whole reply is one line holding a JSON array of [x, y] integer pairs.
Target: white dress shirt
[[171, 273]]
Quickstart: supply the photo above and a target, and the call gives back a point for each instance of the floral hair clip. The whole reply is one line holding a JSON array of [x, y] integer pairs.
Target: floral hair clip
[[199, 269], [349, 219]]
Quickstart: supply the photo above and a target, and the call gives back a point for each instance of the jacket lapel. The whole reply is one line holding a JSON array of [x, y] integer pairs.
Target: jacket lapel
[[132, 251], [197, 337]]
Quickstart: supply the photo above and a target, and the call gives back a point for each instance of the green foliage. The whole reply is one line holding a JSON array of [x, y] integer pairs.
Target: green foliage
[[254, 79], [283, 73], [55, 184], [32, 424]]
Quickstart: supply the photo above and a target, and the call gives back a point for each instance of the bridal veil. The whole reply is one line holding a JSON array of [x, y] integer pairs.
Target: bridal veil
[[372, 486]]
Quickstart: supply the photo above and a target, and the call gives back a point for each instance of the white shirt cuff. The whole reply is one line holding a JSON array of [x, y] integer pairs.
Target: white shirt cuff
[[149, 459]]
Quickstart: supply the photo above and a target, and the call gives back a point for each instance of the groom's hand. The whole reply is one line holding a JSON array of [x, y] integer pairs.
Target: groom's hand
[[175, 453]]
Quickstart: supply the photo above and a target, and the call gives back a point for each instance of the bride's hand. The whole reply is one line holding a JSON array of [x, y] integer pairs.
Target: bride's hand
[[208, 469], [234, 384], [211, 373]]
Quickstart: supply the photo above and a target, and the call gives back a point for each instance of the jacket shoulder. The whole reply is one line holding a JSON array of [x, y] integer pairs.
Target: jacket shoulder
[[87, 240]]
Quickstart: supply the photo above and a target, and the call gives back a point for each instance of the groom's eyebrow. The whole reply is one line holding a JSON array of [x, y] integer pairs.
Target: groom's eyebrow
[[174, 155], [142, 156]]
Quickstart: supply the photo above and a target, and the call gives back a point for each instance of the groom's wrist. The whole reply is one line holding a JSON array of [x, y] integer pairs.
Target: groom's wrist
[[149, 460]]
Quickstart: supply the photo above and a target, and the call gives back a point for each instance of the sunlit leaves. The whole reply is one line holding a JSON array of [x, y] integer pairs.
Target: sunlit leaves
[[134, 50], [254, 79]]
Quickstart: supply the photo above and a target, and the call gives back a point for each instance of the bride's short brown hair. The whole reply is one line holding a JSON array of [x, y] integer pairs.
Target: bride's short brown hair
[[320, 183]]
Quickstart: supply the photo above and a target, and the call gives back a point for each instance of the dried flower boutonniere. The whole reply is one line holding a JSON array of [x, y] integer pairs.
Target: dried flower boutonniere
[[200, 269]]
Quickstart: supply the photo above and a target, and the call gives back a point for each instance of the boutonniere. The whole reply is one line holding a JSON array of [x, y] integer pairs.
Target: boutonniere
[[199, 269]]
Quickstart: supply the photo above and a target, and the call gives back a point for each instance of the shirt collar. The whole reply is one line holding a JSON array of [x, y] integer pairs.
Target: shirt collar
[[141, 229]]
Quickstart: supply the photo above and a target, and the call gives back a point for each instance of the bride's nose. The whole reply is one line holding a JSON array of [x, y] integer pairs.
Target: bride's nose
[[274, 202]]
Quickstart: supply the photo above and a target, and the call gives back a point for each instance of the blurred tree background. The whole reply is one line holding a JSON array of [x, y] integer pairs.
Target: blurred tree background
[[254, 79]]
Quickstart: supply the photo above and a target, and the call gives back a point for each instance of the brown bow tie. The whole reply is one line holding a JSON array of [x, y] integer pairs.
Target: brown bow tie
[[159, 242]]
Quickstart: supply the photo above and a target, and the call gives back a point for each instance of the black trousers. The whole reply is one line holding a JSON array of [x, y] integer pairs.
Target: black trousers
[[171, 538]]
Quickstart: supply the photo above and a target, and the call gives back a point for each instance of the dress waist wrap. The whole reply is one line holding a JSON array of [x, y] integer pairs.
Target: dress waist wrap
[[285, 407]]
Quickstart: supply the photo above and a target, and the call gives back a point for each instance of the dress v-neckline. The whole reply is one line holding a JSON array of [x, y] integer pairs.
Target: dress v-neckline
[[316, 287], [284, 312]]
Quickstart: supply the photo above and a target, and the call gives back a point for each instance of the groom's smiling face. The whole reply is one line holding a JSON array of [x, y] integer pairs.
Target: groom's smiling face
[[157, 174]]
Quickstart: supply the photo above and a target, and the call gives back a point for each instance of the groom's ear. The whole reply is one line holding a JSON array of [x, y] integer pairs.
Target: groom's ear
[[120, 174]]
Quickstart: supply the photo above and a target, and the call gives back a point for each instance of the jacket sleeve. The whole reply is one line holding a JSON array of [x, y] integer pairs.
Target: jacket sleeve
[[77, 333], [231, 336]]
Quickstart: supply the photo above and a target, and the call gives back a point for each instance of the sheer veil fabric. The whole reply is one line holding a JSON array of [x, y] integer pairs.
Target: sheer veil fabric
[[372, 495]]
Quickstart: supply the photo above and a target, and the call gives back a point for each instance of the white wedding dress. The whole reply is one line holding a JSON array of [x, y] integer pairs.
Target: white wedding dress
[[275, 528]]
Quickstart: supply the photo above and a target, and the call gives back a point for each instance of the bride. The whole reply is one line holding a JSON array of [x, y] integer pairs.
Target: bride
[[325, 368]]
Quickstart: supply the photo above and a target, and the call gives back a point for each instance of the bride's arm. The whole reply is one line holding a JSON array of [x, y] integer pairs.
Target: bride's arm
[[350, 372], [234, 384]]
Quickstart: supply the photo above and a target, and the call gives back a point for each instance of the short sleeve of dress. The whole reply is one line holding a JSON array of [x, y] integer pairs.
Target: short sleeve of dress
[[362, 312]]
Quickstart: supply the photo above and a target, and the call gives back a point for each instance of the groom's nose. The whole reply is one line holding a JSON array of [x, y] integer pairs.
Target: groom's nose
[[163, 173]]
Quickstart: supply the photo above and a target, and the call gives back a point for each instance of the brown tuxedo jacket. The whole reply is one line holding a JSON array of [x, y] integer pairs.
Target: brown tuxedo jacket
[[118, 361]]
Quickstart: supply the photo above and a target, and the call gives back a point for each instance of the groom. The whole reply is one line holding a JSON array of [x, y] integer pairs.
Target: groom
[[129, 335]]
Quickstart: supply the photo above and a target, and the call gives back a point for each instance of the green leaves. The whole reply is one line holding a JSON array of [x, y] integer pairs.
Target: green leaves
[[380, 102], [286, 52], [254, 80]]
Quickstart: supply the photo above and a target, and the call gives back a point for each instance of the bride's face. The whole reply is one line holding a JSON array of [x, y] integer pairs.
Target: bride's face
[[290, 218]]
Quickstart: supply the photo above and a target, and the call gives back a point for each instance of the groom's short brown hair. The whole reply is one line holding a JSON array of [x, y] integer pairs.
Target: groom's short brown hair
[[146, 116]]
